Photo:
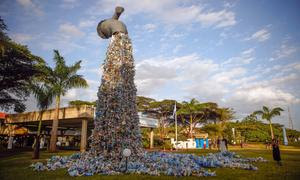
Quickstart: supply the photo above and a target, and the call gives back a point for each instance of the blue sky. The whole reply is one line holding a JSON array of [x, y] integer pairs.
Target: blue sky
[[240, 54]]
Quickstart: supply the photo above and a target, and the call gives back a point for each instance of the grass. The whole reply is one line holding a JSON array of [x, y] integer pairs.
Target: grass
[[17, 167]]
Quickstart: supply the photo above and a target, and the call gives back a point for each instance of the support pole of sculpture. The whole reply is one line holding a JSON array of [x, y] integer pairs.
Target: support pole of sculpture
[[116, 122]]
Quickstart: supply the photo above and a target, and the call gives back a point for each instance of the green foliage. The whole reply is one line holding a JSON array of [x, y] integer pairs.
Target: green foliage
[[162, 110], [43, 94], [268, 114], [158, 142], [79, 103], [143, 103], [253, 130], [213, 130], [145, 137], [292, 135], [18, 67], [167, 144], [62, 77]]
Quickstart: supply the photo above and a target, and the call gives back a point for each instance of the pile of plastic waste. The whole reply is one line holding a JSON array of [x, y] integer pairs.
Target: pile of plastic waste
[[151, 163]]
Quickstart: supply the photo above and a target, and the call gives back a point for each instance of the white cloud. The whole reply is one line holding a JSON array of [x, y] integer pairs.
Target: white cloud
[[69, 30], [87, 23], [177, 48], [284, 51], [67, 38], [31, 7], [65, 46], [223, 18], [169, 11], [69, 4], [261, 35], [264, 95], [153, 74], [245, 57], [232, 86], [149, 27], [22, 38]]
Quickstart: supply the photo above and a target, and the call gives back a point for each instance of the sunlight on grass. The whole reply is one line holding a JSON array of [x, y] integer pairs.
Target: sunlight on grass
[[17, 167]]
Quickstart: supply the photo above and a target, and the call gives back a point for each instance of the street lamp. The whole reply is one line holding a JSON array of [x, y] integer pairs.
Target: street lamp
[[126, 154]]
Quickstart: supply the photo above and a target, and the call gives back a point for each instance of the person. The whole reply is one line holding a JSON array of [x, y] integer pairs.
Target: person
[[226, 143], [242, 145], [42, 142], [58, 143], [276, 151], [218, 143], [222, 146], [267, 144]]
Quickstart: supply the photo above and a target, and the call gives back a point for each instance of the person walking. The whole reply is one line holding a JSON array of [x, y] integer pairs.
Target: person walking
[[218, 143], [223, 146], [226, 143], [276, 151]]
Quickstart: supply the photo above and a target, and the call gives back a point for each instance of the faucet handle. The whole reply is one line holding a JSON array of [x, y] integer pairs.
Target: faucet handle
[[118, 11]]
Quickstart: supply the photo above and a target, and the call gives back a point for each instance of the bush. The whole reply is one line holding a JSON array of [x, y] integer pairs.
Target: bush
[[167, 144]]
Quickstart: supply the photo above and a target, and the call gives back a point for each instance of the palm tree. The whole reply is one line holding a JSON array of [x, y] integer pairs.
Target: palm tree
[[61, 79], [268, 114], [44, 96], [224, 115]]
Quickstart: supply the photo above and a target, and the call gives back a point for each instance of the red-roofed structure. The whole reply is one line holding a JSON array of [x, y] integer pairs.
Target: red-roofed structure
[[2, 115]]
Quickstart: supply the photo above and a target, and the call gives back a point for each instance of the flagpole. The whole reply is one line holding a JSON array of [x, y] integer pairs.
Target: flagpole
[[175, 124]]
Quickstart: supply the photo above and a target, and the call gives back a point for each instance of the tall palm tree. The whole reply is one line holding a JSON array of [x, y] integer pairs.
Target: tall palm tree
[[268, 114], [44, 96], [61, 79], [224, 115]]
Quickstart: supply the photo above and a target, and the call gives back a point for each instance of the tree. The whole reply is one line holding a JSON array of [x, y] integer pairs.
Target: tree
[[268, 114], [44, 96], [213, 130], [224, 115], [61, 79], [17, 69], [80, 103], [143, 103], [163, 109], [192, 113]]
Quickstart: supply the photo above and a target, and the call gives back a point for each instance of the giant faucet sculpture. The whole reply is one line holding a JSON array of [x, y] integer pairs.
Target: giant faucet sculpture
[[117, 129], [108, 27], [116, 122]]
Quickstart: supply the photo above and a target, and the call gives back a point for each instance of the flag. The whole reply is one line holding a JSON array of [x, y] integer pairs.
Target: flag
[[285, 140], [174, 111]]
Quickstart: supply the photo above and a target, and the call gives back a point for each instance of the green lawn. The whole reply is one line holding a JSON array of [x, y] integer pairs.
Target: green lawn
[[16, 167]]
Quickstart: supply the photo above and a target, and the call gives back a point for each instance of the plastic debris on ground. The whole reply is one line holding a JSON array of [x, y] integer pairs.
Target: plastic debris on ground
[[151, 163]]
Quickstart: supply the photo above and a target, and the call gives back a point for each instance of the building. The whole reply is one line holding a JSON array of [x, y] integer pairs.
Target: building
[[73, 121]]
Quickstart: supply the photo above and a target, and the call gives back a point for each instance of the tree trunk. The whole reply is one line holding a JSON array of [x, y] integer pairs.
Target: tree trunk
[[272, 134], [160, 128], [55, 126], [36, 153], [191, 127]]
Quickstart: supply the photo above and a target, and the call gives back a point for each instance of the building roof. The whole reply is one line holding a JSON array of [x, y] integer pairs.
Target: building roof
[[2, 115]]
